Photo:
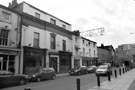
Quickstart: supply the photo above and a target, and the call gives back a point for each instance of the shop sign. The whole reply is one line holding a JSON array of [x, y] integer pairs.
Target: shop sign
[[53, 56], [7, 52]]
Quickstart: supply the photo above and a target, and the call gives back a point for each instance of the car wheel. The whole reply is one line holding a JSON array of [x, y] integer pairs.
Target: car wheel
[[22, 81], [86, 72], [53, 77], [38, 79]]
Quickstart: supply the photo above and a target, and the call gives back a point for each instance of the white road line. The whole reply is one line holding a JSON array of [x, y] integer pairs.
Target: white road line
[[45, 85]]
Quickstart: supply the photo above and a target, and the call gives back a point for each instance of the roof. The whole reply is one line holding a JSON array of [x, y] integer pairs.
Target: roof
[[41, 11], [4, 7], [88, 40]]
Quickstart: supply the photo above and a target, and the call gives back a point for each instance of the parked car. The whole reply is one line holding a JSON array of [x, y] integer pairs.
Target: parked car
[[42, 73], [103, 70], [78, 70], [91, 69], [8, 78]]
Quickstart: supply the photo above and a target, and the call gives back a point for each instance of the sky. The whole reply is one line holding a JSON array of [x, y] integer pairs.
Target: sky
[[116, 16]]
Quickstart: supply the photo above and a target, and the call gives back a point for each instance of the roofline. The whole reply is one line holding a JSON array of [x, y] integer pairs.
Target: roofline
[[4, 7], [41, 11], [89, 40]]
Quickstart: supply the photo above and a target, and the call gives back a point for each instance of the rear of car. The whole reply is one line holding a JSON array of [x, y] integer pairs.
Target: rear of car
[[78, 70], [91, 69], [8, 78]]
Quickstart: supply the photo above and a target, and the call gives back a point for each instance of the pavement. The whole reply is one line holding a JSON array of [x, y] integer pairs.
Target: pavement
[[125, 81]]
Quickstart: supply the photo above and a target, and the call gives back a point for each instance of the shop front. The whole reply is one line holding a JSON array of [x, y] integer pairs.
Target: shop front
[[77, 61], [33, 58], [65, 61], [9, 59], [54, 60], [88, 61]]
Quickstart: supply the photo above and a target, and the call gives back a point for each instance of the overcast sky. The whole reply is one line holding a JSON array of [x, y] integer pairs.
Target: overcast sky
[[116, 16]]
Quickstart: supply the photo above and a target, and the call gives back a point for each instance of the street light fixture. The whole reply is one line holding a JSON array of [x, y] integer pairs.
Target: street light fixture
[[132, 32]]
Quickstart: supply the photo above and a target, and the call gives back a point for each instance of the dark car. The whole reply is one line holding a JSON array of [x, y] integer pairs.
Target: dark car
[[8, 78], [42, 73], [91, 69], [78, 70]]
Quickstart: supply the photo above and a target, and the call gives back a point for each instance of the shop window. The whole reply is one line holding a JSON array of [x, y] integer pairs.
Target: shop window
[[4, 37], [36, 39]]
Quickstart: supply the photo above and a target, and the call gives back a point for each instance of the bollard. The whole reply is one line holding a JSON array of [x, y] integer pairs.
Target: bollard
[[78, 83], [120, 71], [123, 71], [115, 73], [27, 88], [98, 79], [109, 78]]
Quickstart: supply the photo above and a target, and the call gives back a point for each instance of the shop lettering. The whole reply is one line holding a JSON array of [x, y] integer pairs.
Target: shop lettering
[[5, 52]]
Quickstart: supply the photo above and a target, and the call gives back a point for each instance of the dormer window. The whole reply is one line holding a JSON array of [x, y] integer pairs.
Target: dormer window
[[53, 21], [64, 26], [37, 15]]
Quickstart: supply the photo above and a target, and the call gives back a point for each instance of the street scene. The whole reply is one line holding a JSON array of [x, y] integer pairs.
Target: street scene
[[67, 45]]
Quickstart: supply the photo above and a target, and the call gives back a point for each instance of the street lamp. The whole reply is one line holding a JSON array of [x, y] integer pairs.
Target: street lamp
[[132, 32]]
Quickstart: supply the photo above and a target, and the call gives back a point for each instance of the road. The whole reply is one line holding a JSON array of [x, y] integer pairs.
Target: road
[[62, 83]]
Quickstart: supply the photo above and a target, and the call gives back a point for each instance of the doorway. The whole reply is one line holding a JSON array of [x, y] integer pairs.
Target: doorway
[[53, 63]]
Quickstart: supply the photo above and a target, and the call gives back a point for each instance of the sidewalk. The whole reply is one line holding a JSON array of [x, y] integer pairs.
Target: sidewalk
[[124, 82], [62, 74]]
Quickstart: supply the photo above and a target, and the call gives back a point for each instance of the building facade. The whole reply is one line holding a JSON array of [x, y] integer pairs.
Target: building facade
[[84, 51], [46, 40], [9, 39]]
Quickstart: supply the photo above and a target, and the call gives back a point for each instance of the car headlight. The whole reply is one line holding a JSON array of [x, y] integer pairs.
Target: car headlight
[[76, 70], [33, 75]]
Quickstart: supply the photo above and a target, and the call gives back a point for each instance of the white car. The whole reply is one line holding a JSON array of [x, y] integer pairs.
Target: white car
[[103, 70]]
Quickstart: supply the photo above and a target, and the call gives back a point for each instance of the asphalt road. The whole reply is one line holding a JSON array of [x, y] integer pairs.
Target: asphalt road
[[62, 83]]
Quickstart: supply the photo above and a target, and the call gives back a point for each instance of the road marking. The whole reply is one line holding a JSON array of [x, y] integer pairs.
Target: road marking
[[45, 85]]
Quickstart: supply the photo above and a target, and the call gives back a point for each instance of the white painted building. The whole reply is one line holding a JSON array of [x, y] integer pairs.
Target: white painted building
[[84, 51], [46, 40], [9, 39]]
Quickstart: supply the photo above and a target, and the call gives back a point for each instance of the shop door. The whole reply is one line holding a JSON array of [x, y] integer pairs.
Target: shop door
[[54, 63]]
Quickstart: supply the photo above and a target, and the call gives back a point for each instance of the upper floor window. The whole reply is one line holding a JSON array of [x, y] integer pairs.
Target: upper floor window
[[83, 51], [53, 21], [6, 16], [64, 26], [89, 43], [4, 37], [89, 52], [53, 41], [37, 15], [83, 41], [64, 45], [94, 45], [94, 53], [36, 39]]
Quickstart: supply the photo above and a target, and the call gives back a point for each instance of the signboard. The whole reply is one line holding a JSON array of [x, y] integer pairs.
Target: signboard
[[93, 32]]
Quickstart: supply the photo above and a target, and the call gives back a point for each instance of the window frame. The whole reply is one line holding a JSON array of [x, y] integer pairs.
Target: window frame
[[36, 39], [4, 18], [37, 15], [52, 44], [64, 45], [53, 21], [7, 42], [64, 26]]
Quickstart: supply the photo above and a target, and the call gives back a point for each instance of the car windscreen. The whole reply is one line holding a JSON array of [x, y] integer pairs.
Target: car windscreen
[[102, 67]]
